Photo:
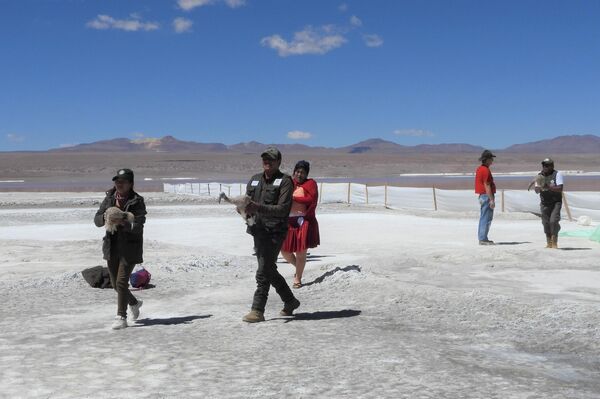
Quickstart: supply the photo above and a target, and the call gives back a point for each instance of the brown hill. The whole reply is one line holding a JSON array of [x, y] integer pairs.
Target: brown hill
[[375, 146], [164, 144], [448, 148], [575, 144], [114, 145]]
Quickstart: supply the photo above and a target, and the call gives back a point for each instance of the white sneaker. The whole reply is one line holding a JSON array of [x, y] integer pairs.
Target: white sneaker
[[135, 309], [119, 323]]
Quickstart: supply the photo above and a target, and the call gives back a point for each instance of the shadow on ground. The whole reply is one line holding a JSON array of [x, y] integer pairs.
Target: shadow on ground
[[309, 258], [316, 258], [323, 315], [574, 249], [513, 242], [170, 321], [330, 273], [147, 287]]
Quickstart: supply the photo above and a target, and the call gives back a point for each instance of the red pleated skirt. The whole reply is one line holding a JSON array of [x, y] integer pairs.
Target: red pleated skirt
[[300, 238]]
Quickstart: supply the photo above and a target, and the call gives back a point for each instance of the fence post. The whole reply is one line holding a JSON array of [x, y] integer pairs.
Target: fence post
[[229, 191], [434, 199], [385, 196], [220, 188], [564, 196], [208, 189], [321, 193], [367, 193], [349, 192], [502, 199]]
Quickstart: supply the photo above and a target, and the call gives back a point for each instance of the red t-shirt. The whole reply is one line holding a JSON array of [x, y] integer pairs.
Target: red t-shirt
[[482, 176]]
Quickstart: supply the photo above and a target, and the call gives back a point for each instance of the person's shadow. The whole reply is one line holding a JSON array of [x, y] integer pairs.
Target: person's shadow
[[326, 315], [147, 287], [316, 258], [309, 258], [321, 315], [573, 249], [330, 273], [513, 242], [169, 321]]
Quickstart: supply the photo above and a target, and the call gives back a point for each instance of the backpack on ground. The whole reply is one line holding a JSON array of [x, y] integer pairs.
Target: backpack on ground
[[97, 277]]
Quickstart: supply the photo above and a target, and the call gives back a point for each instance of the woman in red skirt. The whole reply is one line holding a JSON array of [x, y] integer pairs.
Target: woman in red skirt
[[303, 229]]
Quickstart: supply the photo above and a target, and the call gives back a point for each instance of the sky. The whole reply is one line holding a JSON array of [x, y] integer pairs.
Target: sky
[[316, 72]]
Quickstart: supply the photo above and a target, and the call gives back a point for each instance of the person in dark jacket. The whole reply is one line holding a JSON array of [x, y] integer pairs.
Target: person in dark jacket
[[271, 201], [123, 249]]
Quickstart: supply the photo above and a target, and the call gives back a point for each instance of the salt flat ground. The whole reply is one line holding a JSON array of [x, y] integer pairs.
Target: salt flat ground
[[396, 305]]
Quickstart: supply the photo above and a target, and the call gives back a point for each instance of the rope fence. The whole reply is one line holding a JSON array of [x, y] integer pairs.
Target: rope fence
[[575, 204]]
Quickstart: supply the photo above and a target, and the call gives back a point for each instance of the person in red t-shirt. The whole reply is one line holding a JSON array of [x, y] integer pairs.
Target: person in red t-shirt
[[485, 187], [303, 228]]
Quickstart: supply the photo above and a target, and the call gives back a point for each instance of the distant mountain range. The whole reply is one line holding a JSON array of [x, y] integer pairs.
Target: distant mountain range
[[560, 145], [584, 144]]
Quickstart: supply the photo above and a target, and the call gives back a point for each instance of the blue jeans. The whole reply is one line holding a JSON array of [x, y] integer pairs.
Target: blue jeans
[[485, 219]]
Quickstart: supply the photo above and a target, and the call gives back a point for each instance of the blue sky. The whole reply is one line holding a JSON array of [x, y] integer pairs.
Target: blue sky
[[317, 72]]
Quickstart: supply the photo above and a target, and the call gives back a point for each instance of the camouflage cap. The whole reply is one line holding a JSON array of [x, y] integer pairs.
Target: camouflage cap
[[272, 153]]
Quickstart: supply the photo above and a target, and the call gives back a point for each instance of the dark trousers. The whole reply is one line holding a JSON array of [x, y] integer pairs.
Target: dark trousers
[[551, 218], [267, 249], [120, 271]]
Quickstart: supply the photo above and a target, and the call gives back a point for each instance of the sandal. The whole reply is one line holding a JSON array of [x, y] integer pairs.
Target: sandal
[[297, 285]]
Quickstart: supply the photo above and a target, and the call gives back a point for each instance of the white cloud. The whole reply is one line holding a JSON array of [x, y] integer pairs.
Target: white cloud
[[343, 7], [413, 133], [182, 25], [138, 135], [307, 41], [235, 3], [130, 25], [188, 5], [14, 138], [299, 135], [373, 40], [332, 29], [67, 145], [355, 21]]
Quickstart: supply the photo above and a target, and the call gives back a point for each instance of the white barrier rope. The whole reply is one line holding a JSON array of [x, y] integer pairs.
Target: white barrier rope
[[582, 203]]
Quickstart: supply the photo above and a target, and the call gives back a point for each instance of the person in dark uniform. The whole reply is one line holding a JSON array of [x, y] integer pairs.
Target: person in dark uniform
[[123, 249], [549, 185], [271, 201]]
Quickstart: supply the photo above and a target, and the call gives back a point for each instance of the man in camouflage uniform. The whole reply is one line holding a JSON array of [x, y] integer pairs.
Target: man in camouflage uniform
[[549, 185]]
